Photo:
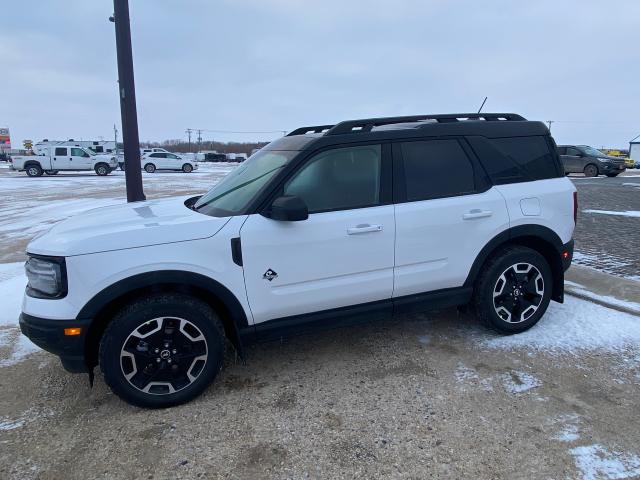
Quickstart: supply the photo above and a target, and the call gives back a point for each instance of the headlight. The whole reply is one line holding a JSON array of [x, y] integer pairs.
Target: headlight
[[46, 277], [605, 160]]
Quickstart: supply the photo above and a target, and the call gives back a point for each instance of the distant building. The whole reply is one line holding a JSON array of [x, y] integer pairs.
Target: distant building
[[634, 151]]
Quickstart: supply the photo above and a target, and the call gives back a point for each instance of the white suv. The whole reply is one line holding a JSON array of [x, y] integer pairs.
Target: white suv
[[330, 224], [167, 161]]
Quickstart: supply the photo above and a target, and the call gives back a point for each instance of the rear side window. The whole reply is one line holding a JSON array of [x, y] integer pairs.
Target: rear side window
[[531, 154], [61, 151], [516, 159], [436, 169]]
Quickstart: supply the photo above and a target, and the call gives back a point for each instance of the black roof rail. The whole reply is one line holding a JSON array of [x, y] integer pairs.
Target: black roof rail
[[367, 124], [312, 129]]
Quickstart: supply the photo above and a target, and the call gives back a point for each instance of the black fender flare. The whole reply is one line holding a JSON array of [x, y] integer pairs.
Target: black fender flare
[[522, 234], [208, 289]]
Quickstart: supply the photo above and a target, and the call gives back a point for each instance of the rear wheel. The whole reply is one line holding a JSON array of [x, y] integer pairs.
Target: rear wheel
[[162, 351], [591, 170], [187, 168], [34, 170], [149, 168], [514, 290], [102, 169]]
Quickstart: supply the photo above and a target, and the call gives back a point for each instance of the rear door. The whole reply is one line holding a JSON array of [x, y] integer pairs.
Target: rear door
[[573, 160], [341, 255], [61, 159], [446, 212]]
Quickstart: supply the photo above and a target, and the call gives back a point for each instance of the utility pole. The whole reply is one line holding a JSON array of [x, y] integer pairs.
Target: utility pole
[[549, 122], [127, 94], [189, 130], [199, 139], [115, 136]]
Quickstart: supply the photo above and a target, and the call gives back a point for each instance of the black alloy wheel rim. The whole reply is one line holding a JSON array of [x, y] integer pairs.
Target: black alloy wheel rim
[[163, 356], [518, 293]]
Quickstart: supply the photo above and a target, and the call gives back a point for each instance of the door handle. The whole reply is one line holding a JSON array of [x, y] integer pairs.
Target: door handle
[[476, 213], [364, 228]]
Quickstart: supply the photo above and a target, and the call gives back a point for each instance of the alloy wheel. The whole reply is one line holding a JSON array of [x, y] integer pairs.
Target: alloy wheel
[[518, 293], [163, 356]]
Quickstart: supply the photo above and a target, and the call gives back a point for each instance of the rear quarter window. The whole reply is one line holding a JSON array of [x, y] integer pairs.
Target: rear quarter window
[[516, 159]]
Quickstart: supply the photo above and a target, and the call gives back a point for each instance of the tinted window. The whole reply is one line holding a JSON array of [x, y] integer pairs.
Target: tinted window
[[573, 151], [500, 168], [78, 152], [157, 155], [61, 152], [531, 154], [562, 150], [435, 169], [339, 179]]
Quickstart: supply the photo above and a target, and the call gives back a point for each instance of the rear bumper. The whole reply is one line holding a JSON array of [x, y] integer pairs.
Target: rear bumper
[[49, 335]]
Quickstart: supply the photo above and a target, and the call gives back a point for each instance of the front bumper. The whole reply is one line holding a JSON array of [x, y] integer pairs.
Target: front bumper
[[610, 167], [49, 335]]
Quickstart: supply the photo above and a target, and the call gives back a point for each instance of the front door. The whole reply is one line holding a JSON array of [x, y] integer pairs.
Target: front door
[[80, 159], [342, 255]]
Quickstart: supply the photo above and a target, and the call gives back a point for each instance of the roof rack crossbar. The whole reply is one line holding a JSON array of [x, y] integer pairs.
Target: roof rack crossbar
[[312, 129], [367, 124]]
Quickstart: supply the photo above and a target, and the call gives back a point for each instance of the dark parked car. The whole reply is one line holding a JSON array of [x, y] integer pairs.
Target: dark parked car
[[590, 161]]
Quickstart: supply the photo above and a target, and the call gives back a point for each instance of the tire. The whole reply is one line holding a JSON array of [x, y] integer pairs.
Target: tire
[[149, 168], [187, 168], [51, 172], [102, 169], [591, 170], [149, 329], [612, 175], [34, 170], [513, 290]]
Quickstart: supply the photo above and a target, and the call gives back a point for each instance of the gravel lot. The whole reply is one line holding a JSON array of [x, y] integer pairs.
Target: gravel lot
[[420, 396]]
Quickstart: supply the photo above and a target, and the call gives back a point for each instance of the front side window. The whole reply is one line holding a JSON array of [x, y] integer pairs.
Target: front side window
[[78, 152], [573, 151], [157, 155], [436, 169], [592, 152], [238, 189], [339, 179]]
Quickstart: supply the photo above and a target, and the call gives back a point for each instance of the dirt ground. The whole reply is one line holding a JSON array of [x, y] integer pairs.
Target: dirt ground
[[416, 397], [423, 396]]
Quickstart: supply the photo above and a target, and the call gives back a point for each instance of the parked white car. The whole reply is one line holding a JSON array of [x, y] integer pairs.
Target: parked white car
[[317, 230], [167, 161], [69, 158]]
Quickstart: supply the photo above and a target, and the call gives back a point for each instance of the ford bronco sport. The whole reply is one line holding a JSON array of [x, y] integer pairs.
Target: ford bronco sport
[[328, 225]]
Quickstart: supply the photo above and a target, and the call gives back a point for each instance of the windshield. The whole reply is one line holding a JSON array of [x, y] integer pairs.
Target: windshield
[[592, 152], [235, 191]]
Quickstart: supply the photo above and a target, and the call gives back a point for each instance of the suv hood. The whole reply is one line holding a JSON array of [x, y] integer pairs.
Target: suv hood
[[129, 225]]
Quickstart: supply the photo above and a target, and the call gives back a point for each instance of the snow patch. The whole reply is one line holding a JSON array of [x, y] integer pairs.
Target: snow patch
[[580, 289], [627, 213], [597, 462], [575, 326], [519, 382], [464, 373]]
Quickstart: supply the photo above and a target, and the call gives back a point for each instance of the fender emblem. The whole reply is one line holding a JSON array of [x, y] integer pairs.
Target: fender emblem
[[269, 275]]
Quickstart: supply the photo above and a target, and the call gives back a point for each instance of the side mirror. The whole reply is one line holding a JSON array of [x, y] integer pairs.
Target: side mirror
[[289, 208]]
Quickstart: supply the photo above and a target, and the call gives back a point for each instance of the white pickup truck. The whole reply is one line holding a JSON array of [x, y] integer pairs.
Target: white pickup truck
[[58, 158]]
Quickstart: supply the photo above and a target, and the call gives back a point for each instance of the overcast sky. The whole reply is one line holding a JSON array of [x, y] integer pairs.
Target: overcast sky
[[263, 65]]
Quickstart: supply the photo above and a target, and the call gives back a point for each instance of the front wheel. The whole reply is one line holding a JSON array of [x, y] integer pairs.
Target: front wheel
[[514, 290], [149, 168], [102, 169], [162, 350]]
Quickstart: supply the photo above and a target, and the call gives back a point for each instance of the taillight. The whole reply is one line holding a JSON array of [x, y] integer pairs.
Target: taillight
[[575, 207]]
